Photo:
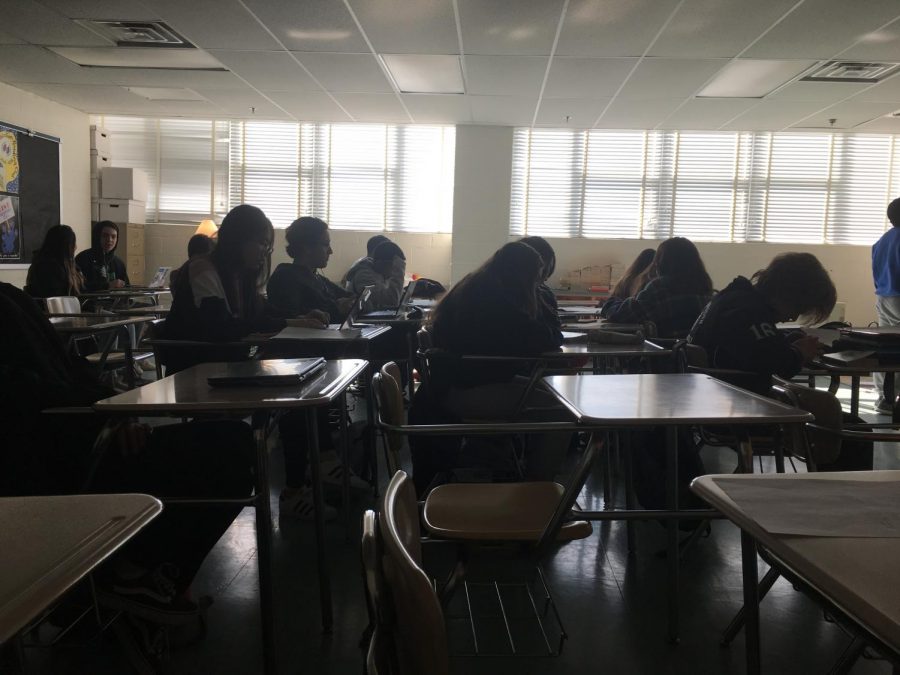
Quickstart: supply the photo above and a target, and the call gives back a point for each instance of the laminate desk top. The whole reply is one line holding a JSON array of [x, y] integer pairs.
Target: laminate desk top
[[188, 391], [93, 323], [309, 335], [644, 348], [51, 543], [665, 399]]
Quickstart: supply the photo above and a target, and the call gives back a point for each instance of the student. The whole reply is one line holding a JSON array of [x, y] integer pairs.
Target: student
[[53, 271], [495, 310], [200, 244], [677, 290], [384, 271], [549, 308], [737, 329], [886, 274], [45, 454], [297, 287], [101, 267], [634, 278], [371, 245]]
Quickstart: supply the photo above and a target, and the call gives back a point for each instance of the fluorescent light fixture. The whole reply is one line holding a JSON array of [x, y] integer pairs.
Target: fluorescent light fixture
[[166, 93], [752, 78], [425, 73], [139, 57]]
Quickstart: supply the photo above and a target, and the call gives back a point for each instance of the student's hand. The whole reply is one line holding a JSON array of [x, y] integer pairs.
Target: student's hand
[[808, 346], [318, 315], [314, 319], [344, 304], [116, 283]]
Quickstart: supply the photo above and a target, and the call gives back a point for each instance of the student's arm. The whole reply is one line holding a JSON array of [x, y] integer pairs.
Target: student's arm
[[284, 294], [386, 292], [636, 309], [93, 280]]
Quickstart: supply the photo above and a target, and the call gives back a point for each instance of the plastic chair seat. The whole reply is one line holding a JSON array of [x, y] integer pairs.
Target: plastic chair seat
[[116, 358], [497, 512]]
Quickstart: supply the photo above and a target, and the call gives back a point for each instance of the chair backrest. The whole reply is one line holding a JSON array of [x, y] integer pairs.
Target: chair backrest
[[420, 635], [822, 446], [688, 356], [389, 396], [423, 338], [63, 304], [379, 660]]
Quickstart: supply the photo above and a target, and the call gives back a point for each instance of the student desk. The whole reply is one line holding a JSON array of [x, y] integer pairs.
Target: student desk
[[856, 370], [670, 400], [104, 326], [188, 394], [857, 576], [153, 311], [50, 543], [409, 327], [119, 296]]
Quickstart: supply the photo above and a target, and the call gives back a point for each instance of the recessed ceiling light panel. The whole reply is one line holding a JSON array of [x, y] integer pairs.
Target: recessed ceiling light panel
[[139, 57], [753, 78], [425, 73]]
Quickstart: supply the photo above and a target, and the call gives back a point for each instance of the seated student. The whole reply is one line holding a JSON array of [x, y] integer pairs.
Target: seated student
[[549, 308], [45, 454], [384, 271], [677, 290], [495, 310], [53, 271], [296, 287], [101, 267], [634, 278], [199, 244], [371, 245]]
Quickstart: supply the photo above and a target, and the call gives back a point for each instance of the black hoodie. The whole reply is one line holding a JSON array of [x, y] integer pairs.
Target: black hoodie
[[100, 268]]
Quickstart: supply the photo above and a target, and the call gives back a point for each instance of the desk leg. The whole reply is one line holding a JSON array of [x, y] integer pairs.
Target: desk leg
[[345, 454], [129, 357], [369, 442], [890, 394], [751, 602], [854, 394], [672, 530], [411, 362], [264, 545], [629, 487], [315, 470]]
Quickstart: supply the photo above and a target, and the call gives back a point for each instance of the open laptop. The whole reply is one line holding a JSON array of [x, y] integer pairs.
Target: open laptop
[[350, 326], [160, 278], [399, 311], [270, 373]]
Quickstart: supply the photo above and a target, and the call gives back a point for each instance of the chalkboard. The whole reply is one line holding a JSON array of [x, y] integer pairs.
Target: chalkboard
[[29, 191]]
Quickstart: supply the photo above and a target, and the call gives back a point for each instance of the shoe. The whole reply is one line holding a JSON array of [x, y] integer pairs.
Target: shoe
[[151, 596], [883, 407], [332, 469], [298, 503]]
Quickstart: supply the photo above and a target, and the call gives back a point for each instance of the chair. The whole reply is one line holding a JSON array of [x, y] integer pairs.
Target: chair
[[386, 385], [63, 304], [380, 654]]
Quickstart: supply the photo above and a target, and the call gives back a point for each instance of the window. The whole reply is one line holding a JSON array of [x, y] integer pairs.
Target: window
[[371, 177], [708, 186]]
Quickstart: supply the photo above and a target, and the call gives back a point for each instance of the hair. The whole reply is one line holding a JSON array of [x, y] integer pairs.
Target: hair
[[387, 250], [515, 268], [98, 230], [373, 243], [545, 250], [59, 242], [200, 244], [243, 224], [303, 233], [798, 281], [679, 260], [893, 212], [631, 281]]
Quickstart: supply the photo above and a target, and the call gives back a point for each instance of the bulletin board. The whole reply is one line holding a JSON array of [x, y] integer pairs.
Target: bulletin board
[[29, 191]]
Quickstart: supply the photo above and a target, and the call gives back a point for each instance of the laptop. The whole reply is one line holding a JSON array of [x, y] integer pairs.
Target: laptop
[[399, 310], [349, 326], [271, 373], [160, 278]]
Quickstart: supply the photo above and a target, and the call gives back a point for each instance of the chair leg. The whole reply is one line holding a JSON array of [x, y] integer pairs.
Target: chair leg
[[849, 657], [457, 574], [737, 623]]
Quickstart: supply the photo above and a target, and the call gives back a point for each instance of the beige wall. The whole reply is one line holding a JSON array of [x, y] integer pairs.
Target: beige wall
[[72, 127]]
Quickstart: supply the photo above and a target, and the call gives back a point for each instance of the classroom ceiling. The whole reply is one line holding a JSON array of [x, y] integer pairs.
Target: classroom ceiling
[[613, 64]]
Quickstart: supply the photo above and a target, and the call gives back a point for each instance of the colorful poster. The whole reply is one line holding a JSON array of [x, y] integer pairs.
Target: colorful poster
[[10, 230], [9, 161]]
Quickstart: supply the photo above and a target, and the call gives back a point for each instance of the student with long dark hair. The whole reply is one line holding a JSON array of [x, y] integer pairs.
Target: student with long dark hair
[[99, 264], [677, 290], [635, 276], [53, 271], [546, 297]]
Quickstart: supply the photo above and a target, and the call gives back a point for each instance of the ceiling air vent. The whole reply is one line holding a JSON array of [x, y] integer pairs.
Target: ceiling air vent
[[136, 33], [848, 71]]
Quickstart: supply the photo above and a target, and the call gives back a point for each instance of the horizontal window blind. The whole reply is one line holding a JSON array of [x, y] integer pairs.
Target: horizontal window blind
[[707, 186]]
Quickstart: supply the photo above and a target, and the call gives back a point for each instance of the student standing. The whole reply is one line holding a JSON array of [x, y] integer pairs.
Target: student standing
[[384, 271], [101, 267], [886, 272], [53, 271]]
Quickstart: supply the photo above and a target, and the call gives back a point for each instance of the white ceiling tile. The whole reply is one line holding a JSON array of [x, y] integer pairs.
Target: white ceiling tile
[[702, 114], [240, 101], [309, 106], [7, 39], [33, 22], [520, 27], [637, 114], [826, 92], [612, 27], [201, 109], [505, 75], [881, 45], [408, 26], [502, 110], [29, 63], [438, 108], [123, 10], [214, 24], [882, 125], [374, 107], [820, 29], [889, 90], [310, 25], [670, 78], [267, 70], [351, 73], [89, 98], [848, 114], [586, 78], [771, 115], [717, 28], [151, 77], [581, 113]]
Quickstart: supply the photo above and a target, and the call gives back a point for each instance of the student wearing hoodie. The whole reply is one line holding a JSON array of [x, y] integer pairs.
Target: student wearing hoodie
[[370, 248], [384, 271], [101, 267]]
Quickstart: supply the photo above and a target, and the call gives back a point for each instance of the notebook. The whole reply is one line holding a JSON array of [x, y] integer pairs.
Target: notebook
[[271, 373], [398, 311]]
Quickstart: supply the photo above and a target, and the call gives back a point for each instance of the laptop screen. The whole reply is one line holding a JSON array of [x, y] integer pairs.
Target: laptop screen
[[357, 307], [407, 295], [159, 279]]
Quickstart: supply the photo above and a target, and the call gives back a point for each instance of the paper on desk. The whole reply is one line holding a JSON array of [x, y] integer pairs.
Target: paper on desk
[[819, 508]]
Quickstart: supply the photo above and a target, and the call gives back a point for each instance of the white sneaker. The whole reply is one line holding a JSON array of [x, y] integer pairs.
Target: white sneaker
[[332, 469], [298, 503]]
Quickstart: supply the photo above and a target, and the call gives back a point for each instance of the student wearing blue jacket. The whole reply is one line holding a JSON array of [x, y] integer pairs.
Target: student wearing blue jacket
[[886, 273]]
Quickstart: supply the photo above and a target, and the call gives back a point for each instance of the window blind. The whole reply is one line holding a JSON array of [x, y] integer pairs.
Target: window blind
[[707, 186]]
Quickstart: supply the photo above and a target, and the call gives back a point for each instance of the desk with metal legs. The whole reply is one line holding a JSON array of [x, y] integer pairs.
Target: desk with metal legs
[[188, 394], [672, 401], [105, 327]]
